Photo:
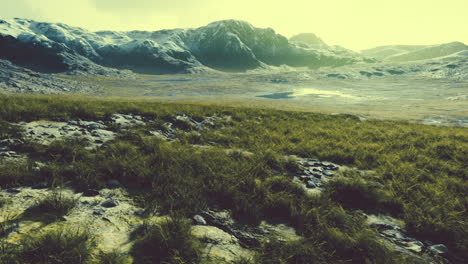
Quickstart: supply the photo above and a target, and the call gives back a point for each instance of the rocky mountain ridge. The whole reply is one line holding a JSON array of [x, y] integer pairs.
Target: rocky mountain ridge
[[228, 45]]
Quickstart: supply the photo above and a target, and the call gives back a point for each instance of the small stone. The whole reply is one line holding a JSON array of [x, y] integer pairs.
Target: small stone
[[304, 178], [438, 249], [382, 226], [113, 184], [316, 174], [95, 126], [110, 203], [428, 243], [392, 233], [13, 154], [99, 212], [140, 212], [328, 173], [199, 220], [5, 154], [90, 193], [40, 185], [311, 185], [4, 148]]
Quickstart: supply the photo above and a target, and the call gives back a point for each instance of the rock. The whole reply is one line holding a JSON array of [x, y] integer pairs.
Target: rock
[[110, 203], [311, 184], [221, 247], [13, 190], [415, 246], [438, 249], [99, 212], [95, 126], [199, 220], [91, 193], [428, 243], [382, 226], [316, 174], [184, 122], [10, 141], [328, 173], [113, 184], [5, 154], [41, 185], [4, 148], [140, 212], [248, 236]]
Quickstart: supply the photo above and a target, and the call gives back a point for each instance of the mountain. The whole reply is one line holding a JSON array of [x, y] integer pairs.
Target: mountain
[[228, 45], [309, 39], [312, 41], [407, 53]]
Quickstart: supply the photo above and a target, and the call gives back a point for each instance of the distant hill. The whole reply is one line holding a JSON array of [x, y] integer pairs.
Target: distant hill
[[228, 45], [404, 53]]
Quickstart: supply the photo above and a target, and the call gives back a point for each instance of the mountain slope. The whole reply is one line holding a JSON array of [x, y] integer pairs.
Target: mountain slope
[[405, 53], [430, 52], [228, 45], [309, 39]]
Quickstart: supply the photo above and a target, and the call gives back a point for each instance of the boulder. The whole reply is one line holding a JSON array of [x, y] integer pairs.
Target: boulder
[[40, 185], [110, 203], [91, 193], [220, 247], [199, 220], [438, 249]]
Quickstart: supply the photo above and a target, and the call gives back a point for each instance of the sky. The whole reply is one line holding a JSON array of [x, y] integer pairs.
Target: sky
[[354, 24]]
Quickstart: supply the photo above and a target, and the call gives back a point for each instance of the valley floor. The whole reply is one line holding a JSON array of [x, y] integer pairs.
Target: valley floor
[[409, 98]]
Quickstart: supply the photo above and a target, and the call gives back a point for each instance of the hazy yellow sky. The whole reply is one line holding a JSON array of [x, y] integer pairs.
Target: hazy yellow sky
[[355, 24]]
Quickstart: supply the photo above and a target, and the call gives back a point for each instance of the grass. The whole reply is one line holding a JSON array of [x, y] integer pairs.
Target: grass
[[354, 192], [112, 257], [420, 172], [17, 174], [70, 246], [8, 130], [168, 242], [301, 251], [52, 207]]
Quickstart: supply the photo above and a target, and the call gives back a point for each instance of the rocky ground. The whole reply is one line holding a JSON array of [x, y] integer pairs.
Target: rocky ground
[[14, 79], [111, 214]]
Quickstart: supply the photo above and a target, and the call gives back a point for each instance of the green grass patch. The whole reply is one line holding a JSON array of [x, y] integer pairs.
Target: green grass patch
[[420, 170], [71, 246], [168, 242], [52, 207]]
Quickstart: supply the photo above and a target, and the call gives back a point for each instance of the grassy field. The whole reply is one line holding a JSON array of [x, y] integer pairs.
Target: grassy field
[[421, 176]]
